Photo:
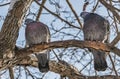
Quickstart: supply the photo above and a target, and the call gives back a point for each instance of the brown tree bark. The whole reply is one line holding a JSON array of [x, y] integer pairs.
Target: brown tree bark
[[10, 29], [12, 23], [9, 34], [66, 44]]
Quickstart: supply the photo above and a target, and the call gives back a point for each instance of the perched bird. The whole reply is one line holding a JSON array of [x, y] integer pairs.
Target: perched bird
[[96, 28], [36, 33]]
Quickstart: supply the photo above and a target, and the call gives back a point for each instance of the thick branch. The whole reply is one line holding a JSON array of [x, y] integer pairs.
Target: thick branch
[[66, 44], [64, 69], [60, 67]]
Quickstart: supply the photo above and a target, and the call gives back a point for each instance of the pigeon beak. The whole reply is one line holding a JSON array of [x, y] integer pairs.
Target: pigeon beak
[[83, 14]]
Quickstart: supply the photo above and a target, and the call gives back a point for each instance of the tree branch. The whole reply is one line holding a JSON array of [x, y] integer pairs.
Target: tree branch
[[66, 44], [56, 15], [40, 10], [116, 39], [11, 72], [60, 67], [111, 8], [67, 70], [64, 69], [5, 4], [68, 2]]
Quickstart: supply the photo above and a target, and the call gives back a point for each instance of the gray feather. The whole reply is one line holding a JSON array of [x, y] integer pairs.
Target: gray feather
[[96, 28], [38, 33]]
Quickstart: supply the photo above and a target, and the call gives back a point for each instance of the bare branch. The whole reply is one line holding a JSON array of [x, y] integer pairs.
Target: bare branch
[[67, 70], [95, 6], [111, 8], [11, 72], [71, 7], [60, 67], [85, 5], [113, 65], [40, 10], [67, 43], [5, 4], [57, 16], [116, 39]]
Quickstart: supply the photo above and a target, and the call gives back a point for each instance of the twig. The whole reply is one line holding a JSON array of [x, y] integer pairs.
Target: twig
[[85, 5], [40, 10], [95, 6], [113, 65], [5, 4], [11, 72], [111, 8], [56, 55], [71, 7], [85, 66], [116, 39], [30, 74], [56, 15]]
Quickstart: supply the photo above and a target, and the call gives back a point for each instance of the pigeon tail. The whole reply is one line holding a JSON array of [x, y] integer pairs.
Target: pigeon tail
[[43, 62], [43, 68], [100, 63]]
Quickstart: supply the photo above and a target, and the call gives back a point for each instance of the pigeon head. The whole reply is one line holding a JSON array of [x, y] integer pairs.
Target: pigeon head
[[27, 21], [84, 14]]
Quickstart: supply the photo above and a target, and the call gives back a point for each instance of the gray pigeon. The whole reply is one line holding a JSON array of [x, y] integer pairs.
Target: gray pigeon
[[96, 28], [38, 33]]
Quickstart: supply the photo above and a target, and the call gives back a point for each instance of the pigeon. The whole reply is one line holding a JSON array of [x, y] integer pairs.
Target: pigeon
[[38, 33], [96, 28]]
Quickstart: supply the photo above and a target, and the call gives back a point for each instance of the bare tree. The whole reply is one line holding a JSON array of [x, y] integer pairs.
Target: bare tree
[[69, 56]]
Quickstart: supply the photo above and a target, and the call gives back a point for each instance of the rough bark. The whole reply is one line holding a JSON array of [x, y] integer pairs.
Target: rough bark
[[22, 54], [66, 44], [66, 70], [8, 37], [12, 23]]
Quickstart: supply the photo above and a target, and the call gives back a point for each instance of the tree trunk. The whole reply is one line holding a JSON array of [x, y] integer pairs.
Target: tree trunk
[[10, 28]]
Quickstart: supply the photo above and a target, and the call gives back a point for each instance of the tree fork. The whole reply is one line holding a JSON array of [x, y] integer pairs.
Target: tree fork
[[11, 25]]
